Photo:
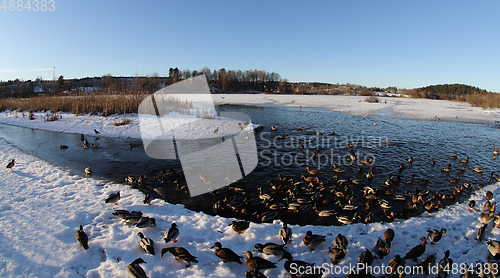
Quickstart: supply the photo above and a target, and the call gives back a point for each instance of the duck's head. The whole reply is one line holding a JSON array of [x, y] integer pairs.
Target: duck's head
[[258, 246], [217, 245], [139, 261], [443, 231]]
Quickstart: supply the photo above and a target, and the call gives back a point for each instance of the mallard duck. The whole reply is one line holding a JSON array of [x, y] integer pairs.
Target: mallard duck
[[367, 162], [274, 128], [295, 263], [268, 216], [416, 251], [326, 213], [147, 244], [336, 254], [461, 170], [410, 159], [424, 182], [147, 199], [382, 248], [389, 235], [226, 254], [63, 147], [454, 156], [96, 132], [337, 170], [94, 146], [113, 198], [285, 233], [445, 265], [344, 220], [472, 203], [464, 160], [312, 172], [433, 162], [85, 144], [496, 220], [175, 251], [494, 248], [478, 170], [486, 217], [123, 214], [257, 263], [240, 226], [447, 168], [427, 263], [82, 238], [254, 274], [146, 222], [88, 171], [134, 270], [395, 266], [495, 151], [481, 231], [270, 248], [455, 180], [435, 235], [308, 179], [82, 137], [366, 258], [340, 242], [171, 234], [489, 195], [313, 240]]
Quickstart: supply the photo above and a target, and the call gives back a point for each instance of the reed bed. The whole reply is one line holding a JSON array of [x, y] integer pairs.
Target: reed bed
[[77, 104]]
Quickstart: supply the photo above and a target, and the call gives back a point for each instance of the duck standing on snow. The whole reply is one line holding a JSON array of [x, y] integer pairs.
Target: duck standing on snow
[[88, 171], [113, 198], [416, 251], [270, 248], [147, 199], [134, 270], [226, 254], [340, 242], [82, 238], [171, 234], [435, 235], [336, 254], [312, 240], [285, 233], [240, 226], [96, 132], [445, 265], [11, 164], [257, 263], [180, 254], [147, 244], [388, 235], [146, 222], [494, 248]]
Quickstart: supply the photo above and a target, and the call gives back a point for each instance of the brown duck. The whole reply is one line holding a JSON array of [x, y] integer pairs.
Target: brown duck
[[257, 262], [240, 226], [416, 251], [227, 255], [82, 238]]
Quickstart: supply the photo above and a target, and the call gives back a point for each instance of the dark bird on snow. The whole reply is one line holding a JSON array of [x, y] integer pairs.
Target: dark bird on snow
[[11, 164], [82, 238], [96, 132], [113, 197], [134, 270]]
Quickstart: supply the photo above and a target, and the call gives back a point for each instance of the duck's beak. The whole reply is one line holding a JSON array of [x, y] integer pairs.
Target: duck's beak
[[391, 261], [445, 234], [280, 259], [212, 246]]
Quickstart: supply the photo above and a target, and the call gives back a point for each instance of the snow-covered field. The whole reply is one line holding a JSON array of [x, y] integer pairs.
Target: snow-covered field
[[42, 206]]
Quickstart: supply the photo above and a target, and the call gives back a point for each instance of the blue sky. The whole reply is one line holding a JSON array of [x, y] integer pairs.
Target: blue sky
[[406, 44]]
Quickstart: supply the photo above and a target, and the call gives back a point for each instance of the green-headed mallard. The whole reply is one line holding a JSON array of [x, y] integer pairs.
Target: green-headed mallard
[[494, 248], [134, 270], [478, 170], [147, 244], [340, 242], [113, 198], [82, 238], [435, 235], [240, 226], [382, 248], [416, 251], [226, 254], [336, 254], [285, 233], [171, 234], [445, 265], [313, 240], [270, 248], [257, 263]]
